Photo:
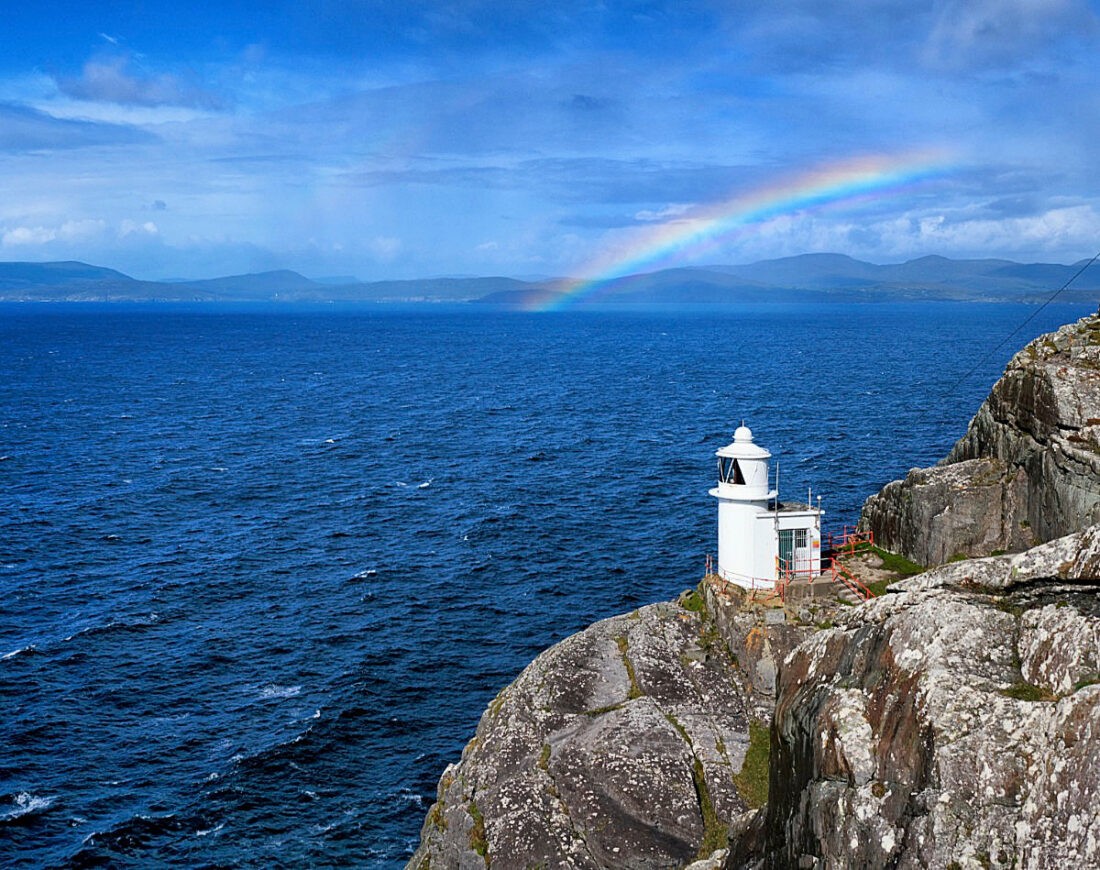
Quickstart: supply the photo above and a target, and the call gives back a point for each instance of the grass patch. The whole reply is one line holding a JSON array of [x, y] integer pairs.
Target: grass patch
[[1086, 681], [879, 587], [634, 691], [478, 841], [752, 780], [436, 817], [496, 704], [897, 564], [675, 723], [693, 601], [1022, 691], [544, 757], [715, 834]]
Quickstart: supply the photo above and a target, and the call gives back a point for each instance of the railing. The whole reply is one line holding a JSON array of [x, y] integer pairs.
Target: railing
[[849, 540], [763, 587], [845, 543], [842, 575]]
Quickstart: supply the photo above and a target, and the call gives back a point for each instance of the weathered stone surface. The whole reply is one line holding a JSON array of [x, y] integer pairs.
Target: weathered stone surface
[[615, 748], [955, 722], [759, 638], [1026, 471]]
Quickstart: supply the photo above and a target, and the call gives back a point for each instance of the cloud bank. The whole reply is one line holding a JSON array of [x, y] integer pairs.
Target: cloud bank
[[395, 140]]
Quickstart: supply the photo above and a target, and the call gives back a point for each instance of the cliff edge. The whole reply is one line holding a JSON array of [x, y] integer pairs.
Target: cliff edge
[[954, 722], [1026, 471], [615, 748]]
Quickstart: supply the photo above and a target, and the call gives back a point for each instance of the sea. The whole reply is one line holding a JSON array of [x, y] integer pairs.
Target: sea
[[262, 568]]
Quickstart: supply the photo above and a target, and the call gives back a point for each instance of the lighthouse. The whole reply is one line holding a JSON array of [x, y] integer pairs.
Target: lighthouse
[[760, 540]]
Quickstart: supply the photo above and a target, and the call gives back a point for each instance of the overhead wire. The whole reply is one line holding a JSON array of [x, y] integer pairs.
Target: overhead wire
[[985, 357]]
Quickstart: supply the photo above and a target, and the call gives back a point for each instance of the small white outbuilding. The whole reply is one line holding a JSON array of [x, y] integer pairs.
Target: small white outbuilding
[[760, 540]]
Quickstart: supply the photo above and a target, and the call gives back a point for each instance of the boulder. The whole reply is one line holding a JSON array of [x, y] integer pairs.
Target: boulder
[[615, 748]]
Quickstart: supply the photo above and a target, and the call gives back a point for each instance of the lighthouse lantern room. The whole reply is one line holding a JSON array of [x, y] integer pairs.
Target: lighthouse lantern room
[[760, 540]]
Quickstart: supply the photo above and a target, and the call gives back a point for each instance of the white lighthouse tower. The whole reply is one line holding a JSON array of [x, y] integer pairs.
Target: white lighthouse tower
[[760, 541]]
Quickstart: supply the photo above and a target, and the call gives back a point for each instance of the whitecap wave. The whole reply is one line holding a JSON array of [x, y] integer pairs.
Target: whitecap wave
[[15, 652], [23, 804], [275, 691]]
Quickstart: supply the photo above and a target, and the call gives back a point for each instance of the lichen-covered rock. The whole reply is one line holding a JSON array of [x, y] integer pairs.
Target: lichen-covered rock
[[759, 638], [952, 723], [615, 748], [1026, 471]]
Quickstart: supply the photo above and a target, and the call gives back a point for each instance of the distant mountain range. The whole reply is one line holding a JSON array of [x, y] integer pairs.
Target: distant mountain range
[[809, 277]]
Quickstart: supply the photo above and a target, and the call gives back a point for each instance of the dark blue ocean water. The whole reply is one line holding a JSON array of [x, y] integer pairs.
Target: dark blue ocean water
[[262, 570]]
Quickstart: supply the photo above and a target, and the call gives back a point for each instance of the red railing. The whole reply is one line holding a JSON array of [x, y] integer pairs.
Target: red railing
[[847, 541], [842, 575]]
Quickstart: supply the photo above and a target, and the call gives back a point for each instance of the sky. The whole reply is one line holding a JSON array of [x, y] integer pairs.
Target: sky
[[533, 139]]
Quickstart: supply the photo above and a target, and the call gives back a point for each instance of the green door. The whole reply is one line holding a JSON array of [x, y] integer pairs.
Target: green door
[[786, 550]]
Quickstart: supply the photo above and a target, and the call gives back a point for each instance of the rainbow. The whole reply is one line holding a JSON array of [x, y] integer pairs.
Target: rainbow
[[840, 182]]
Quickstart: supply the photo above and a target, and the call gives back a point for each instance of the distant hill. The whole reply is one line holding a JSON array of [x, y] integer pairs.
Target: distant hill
[[808, 277], [828, 278]]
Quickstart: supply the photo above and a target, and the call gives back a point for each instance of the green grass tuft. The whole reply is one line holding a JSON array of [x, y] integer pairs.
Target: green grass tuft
[[478, 841], [897, 564], [693, 601], [752, 779], [715, 834], [1022, 691], [634, 691]]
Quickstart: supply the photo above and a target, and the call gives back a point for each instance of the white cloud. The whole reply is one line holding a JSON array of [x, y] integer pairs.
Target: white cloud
[[23, 236], [384, 248], [669, 211], [133, 228]]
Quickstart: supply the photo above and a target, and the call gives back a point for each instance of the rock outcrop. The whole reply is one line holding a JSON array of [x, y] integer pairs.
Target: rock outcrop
[[617, 747], [1027, 470], [952, 723]]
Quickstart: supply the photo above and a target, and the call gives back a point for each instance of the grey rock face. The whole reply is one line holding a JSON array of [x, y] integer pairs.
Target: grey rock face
[[1027, 470], [953, 723], [615, 748]]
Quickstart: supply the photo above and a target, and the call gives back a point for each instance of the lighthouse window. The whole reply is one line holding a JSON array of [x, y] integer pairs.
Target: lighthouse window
[[729, 471]]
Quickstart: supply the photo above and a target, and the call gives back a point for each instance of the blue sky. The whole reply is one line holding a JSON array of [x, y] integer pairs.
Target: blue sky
[[385, 140]]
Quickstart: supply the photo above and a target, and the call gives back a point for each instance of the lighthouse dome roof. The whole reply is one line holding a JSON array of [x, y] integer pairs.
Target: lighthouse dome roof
[[743, 446]]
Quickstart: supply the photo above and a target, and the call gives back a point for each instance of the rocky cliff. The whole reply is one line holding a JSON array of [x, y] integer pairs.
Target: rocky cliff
[[640, 742], [615, 747], [952, 723], [1026, 471]]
